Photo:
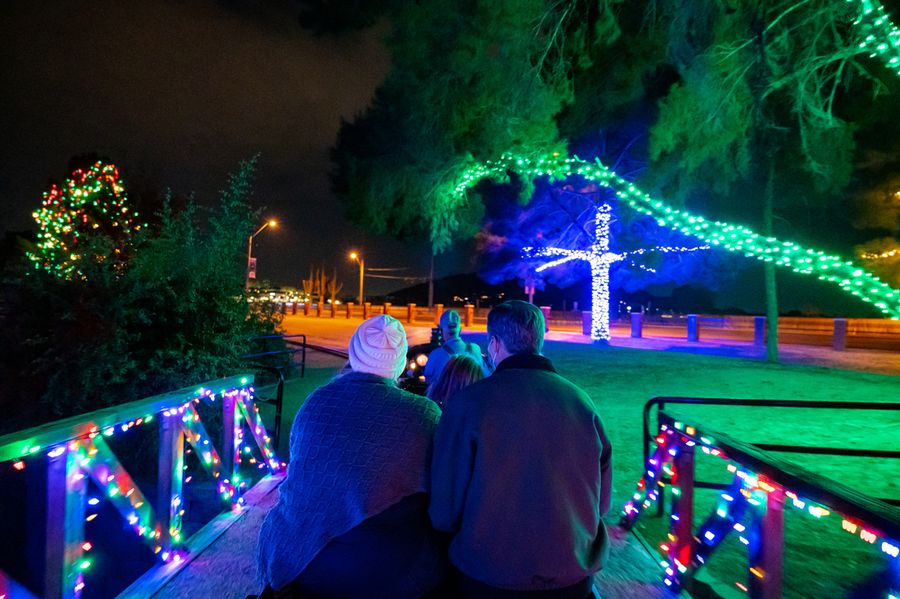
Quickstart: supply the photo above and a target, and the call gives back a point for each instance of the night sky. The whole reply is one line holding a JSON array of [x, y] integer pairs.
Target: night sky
[[177, 93]]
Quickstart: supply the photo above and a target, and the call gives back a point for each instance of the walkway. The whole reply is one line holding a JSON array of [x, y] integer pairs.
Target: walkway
[[227, 568]]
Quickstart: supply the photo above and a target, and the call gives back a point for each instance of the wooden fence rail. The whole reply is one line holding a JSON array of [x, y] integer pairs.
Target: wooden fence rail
[[76, 452], [752, 506]]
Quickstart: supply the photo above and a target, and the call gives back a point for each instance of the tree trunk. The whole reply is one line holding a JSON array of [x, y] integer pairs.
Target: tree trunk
[[764, 147], [431, 281], [769, 268]]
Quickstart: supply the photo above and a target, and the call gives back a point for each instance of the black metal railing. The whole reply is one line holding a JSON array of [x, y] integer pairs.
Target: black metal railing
[[277, 362]]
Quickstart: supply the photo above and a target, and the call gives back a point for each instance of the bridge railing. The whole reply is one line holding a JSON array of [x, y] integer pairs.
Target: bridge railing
[[752, 506], [75, 451]]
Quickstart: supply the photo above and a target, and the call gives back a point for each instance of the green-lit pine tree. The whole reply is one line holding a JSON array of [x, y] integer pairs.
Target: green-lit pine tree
[[87, 218], [756, 117]]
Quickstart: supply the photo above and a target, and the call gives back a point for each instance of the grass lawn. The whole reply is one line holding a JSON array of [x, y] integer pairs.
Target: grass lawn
[[821, 560]]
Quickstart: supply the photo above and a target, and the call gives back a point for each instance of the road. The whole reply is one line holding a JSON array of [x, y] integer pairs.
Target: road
[[337, 332]]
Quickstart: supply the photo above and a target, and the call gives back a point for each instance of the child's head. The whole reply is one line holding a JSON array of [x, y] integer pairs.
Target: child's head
[[461, 371]]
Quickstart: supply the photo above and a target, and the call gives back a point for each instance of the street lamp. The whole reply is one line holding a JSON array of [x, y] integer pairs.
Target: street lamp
[[270, 223], [362, 270]]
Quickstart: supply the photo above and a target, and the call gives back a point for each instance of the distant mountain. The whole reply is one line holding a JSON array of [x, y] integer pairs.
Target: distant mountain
[[469, 288]]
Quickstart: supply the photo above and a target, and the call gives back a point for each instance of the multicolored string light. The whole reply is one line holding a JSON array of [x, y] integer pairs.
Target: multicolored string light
[[88, 455], [850, 277], [747, 495], [91, 201]]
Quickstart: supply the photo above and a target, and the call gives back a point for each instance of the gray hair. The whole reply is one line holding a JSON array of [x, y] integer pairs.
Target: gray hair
[[519, 325]]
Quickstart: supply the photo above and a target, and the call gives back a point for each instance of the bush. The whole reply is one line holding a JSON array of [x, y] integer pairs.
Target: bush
[[175, 316]]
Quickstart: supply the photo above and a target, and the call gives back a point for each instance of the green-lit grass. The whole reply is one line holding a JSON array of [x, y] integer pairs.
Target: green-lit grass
[[821, 560]]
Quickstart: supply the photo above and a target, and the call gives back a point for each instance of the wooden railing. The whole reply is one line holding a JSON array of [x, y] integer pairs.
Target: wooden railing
[[752, 505], [76, 451]]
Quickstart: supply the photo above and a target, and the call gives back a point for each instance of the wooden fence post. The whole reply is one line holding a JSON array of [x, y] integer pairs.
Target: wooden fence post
[[545, 310], [66, 485], [759, 331], [637, 325], [349, 309], [367, 310], [438, 310], [470, 315], [683, 505], [171, 476], [410, 313], [839, 341], [693, 328], [767, 554], [231, 428]]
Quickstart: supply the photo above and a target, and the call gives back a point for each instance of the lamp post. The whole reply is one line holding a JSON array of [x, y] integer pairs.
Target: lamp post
[[362, 270], [270, 223]]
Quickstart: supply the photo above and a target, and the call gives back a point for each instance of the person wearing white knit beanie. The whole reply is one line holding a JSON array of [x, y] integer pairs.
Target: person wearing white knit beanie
[[352, 515], [379, 347]]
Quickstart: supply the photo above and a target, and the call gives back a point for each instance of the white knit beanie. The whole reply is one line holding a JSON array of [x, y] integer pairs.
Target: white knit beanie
[[379, 347]]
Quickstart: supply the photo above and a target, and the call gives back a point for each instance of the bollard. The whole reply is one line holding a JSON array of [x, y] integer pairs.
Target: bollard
[[367, 309], [387, 308], [410, 313], [283, 308], [333, 309], [586, 323], [294, 308], [469, 315], [438, 310], [349, 309], [759, 331], [546, 311], [306, 308], [637, 324], [839, 341], [693, 328], [319, 308]]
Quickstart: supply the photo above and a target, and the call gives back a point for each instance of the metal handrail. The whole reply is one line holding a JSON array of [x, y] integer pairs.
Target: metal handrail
[[253, 359], [660, 403]]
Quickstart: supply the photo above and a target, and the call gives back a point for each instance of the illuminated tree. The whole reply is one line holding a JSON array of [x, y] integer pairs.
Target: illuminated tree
[[87, 218]]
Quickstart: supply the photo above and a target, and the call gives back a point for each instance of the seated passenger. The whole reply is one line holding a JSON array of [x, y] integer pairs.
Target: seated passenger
[[522, 472], [351, 518], [453, 345], [461, 371]]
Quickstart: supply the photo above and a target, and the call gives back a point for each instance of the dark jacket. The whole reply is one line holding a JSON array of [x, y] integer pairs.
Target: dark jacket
[[521, 475]]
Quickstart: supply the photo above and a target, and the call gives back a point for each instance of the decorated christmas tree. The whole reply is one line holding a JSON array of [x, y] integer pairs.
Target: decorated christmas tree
[[87, 218]]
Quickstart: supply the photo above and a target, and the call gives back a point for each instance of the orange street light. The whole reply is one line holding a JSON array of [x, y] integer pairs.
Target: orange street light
[[362, 269], [270, 223]]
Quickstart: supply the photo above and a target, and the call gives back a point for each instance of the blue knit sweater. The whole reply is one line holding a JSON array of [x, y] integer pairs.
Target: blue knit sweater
[[358, 445]]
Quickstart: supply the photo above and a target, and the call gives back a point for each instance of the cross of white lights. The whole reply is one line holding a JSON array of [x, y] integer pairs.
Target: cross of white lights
[[600, 259]]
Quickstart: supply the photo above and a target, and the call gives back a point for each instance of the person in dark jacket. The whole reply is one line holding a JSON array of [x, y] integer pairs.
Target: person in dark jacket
[[521, 473], [352, 514]]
